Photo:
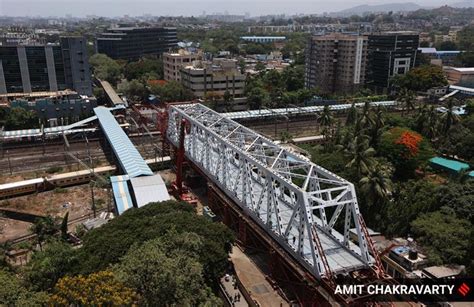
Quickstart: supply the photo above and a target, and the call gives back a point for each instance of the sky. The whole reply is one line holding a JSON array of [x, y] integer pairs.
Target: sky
[[111, 8]]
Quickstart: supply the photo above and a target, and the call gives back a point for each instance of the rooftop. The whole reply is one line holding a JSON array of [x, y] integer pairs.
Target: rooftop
[[452, 165], [462, 69], [148, 189], [128, 156], [443, 271]]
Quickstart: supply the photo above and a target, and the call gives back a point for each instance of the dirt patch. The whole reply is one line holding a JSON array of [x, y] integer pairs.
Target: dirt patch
[[75, 200]]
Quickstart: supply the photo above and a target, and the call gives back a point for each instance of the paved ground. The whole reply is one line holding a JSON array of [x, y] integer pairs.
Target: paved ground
[[233, 292], [254, 280]]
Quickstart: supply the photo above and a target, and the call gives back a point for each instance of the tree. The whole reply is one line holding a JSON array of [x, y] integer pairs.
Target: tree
[[144, 68], [135, 90], [104, 246], [96, 289], [46, 267], [260, 66], [12, 292], [43, 228], [351, 115], [105, 68], [449, 117], [421, 78], [410, 199], [407, 99], [64, 224], [257, 98], [361, 155], [326, 120], [172, 91], [444, 236], [376, 185], [447, 46], [293, 77], [19, 118], [405, 149], [166, 271]]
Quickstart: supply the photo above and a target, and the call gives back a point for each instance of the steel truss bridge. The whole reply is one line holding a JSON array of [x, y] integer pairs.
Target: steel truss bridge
[[296, 202]]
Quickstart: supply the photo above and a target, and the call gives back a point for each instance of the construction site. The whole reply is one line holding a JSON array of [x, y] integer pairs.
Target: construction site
[[298, 225]]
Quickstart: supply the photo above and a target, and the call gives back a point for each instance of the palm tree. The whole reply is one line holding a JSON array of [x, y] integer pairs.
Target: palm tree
[[361, 155], [365, 119], [44, 227], [351, 115], [449, 117], [407, 99], [376, 129], [432, 125], [326, 120], [376, 185]]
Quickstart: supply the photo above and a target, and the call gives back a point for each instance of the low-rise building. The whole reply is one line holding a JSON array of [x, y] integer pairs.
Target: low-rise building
[[173, 62], [263, 39], [462, 76], [440, 57], [213, 78], [53, 108]]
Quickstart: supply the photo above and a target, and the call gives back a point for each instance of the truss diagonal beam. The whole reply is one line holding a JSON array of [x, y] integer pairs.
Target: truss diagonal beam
[[283, 192]]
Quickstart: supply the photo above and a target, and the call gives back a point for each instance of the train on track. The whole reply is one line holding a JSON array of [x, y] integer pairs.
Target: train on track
[[18, 188]]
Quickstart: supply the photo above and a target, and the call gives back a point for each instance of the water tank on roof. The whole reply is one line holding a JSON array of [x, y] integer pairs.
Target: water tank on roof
[[412, 254]]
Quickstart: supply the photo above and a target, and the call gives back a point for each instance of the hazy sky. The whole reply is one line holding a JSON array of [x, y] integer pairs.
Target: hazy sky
[[183, 7]]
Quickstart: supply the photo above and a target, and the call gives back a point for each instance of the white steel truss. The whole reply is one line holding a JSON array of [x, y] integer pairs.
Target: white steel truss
[[297, 202]]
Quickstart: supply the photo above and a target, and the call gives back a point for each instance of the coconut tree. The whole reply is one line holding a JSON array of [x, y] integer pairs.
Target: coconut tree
[[351, 115], [377, 127], [361, 155], [326, 120], [449, 117], [376, 185]]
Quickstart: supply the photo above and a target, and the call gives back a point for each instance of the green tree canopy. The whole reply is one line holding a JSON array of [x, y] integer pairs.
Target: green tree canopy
[[105, 245], [444, 236], [166, 271], [105, 68], [171, 91], [19, 118], [13, 293], [421, 78], [46, 267]]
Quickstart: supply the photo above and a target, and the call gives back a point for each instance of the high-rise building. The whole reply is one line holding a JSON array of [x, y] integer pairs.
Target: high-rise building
[[131, 43], [390, 54], [336, 62], [26, 69], [173, 62], [214, 78]]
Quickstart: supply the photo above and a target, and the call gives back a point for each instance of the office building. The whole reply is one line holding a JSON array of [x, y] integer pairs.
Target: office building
[[214, 78], [26, 69], [336, 62], [390, 54], [173, 62], [131, 43]]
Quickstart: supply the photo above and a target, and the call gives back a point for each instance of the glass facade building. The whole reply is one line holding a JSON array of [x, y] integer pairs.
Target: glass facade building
[[25, 69], [131, 43]]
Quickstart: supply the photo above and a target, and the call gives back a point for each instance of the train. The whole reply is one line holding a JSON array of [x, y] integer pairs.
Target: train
[[8, 190], [29, 186]]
